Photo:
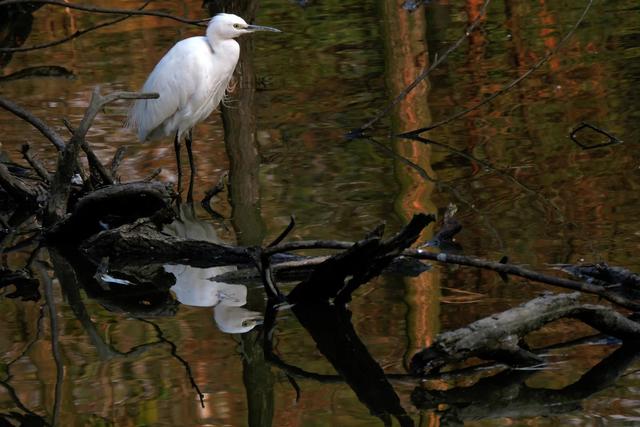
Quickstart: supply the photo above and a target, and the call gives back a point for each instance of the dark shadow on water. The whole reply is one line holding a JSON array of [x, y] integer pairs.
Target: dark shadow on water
[[507, 395], [331, 328]]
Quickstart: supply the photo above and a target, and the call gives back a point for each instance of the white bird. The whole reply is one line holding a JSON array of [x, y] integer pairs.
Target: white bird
[[235, 320], [194, 286], [191, 79]]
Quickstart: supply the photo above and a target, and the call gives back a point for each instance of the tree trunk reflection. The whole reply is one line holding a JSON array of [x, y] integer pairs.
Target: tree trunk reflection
[[239, 120]]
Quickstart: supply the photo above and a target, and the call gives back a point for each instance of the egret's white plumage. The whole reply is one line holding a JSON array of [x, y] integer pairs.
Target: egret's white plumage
[[191, 79], [235, 320], [195, 287]]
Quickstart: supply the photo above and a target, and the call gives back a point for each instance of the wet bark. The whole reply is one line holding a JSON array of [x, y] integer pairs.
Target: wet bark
[[142, 243], [339, 276], [501, 336], [110, 207]]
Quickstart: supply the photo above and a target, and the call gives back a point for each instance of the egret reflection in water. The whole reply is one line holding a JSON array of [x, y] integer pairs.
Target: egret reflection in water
[[194, 286]]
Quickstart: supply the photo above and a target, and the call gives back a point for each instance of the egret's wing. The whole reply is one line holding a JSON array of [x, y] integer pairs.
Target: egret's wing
[[231, 295], [191, 289], [176, 79]]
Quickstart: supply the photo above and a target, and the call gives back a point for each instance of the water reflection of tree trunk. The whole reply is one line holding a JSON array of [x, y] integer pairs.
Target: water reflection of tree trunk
[[406, 55], [239, 119]]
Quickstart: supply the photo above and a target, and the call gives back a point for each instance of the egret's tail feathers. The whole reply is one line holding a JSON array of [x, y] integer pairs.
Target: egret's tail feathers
[[135, 119]]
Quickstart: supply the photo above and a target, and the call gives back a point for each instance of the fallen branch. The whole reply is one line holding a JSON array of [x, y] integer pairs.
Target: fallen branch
[[41, 126], [339, 276], [117, 159], [514, 270], [142, 243], [500, 336], [299, 268]]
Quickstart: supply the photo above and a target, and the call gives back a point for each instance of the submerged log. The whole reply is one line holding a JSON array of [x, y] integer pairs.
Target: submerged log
[[110, 207], [499, 337], [142, 243]]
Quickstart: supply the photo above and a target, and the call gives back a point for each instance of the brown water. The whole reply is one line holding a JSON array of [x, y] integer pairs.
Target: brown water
[[522, 188]]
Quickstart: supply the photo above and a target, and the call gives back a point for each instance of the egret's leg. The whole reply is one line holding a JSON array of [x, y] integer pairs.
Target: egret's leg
[[176, 145], [192, 166]]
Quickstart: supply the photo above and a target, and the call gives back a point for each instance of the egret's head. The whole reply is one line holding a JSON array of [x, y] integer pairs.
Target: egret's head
[[228, 26]]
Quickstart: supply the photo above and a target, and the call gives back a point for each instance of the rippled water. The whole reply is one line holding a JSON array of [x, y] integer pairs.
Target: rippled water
[[523, 188]]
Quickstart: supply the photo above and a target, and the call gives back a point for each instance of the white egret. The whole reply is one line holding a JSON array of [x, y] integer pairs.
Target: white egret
[[235, 320], [191, 79], [195, 287]]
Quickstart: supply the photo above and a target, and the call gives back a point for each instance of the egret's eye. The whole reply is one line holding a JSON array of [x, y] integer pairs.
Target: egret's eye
[[236, 26]]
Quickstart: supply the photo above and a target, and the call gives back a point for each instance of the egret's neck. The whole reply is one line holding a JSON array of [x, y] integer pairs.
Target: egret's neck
[[229, 48]]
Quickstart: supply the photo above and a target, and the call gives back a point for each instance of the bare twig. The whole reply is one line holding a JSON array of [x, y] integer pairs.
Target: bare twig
[[35, 163], [95, 106], [117, 159], [308, 244], [206, 200], [509, 86], [174, 353], [152, 175], [285, 232], [25, 115], [76, 34], [111, 11], [99, 101]]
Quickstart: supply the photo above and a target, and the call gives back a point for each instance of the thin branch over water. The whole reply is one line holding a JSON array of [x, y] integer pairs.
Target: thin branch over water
[[110, 11], [72, 36]]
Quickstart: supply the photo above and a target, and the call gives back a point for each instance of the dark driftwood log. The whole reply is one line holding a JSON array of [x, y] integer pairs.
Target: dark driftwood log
[[16, 188], [141, 243], [110, 207], [340, 275], [498, 337]]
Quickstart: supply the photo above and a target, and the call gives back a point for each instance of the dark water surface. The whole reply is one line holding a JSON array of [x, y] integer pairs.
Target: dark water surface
[[522, 187]]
